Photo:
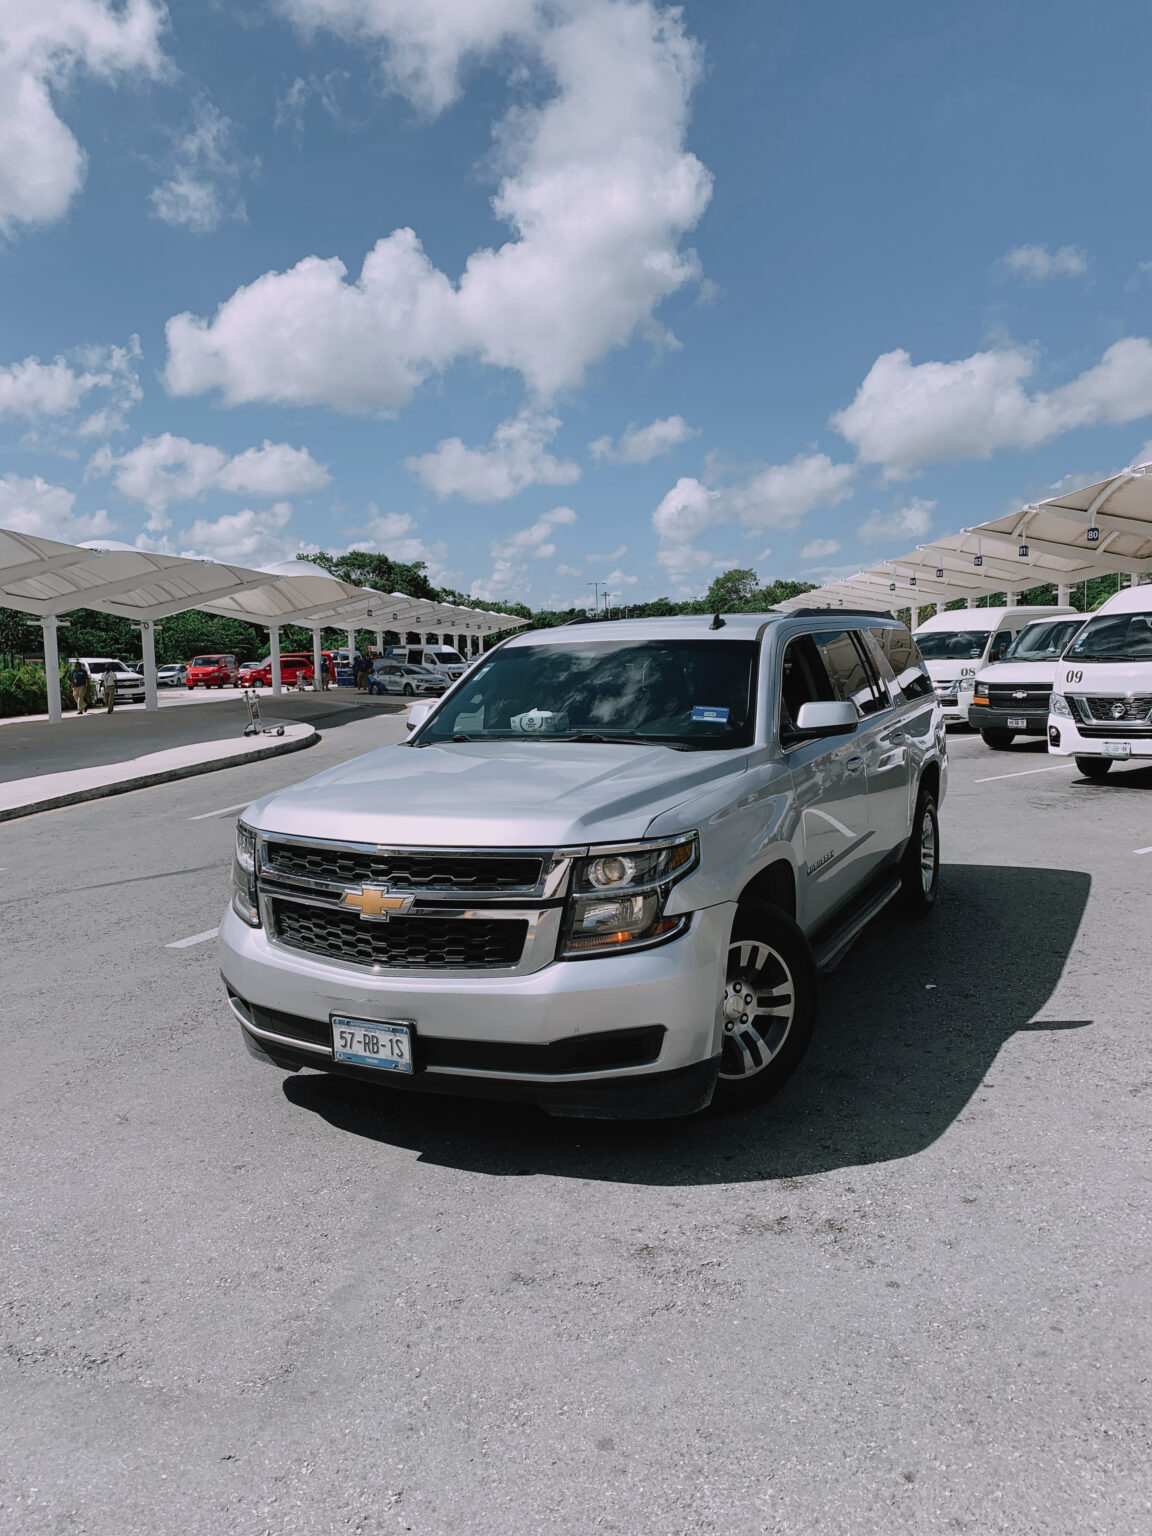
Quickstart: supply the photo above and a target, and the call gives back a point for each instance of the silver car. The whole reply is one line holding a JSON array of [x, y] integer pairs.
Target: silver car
[[403, 678], [605, 869]]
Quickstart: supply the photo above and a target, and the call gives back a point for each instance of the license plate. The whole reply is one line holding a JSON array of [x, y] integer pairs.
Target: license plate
[[1117, 749], [385, 1045], [1017, 723]]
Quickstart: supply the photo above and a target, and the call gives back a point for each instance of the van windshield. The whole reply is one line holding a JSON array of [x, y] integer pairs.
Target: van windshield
[[683, 693], [205, 661], [952, 644], [1114, 637], [1042, 642]]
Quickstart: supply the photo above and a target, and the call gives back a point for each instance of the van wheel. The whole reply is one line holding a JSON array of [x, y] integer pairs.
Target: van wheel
[[920, 864], [1093, 767], [768, 1006], [998, 740]]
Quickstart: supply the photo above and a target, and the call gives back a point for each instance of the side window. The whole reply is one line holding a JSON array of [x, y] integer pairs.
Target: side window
[[803, 680], [903, 656], [1000, 644], [851, 673]]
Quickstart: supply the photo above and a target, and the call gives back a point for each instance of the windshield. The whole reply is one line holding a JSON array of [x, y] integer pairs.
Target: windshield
[[698, 693], [446, 658], [1114, 637], [1042, 642], [205, 661], [952, 644]]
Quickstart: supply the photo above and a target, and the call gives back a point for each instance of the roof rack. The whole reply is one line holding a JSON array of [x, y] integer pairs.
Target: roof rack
[[852, 613]]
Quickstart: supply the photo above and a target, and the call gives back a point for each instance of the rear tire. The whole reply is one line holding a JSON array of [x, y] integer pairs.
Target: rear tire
[[999, 741], [768, 1005], [1093, 767], [920, 864]]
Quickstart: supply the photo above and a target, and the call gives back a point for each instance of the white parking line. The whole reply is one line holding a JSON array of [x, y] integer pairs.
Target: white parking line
[[1142, 850], [1023, 774], [197, 938], [227, 811]]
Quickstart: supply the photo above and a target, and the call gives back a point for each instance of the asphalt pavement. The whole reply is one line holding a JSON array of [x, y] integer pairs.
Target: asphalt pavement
[[910, 1295]]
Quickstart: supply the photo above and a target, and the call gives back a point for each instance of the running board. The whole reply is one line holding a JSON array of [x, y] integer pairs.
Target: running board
[[834, 943]]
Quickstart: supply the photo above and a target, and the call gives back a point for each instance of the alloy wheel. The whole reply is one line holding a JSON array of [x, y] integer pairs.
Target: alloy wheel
[[758, 1008], [929, 850]]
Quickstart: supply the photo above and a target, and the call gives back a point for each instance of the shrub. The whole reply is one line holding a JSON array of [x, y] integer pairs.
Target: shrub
[[23, 691]]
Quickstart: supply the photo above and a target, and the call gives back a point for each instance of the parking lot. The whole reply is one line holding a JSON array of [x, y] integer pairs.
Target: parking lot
[[909, 1296]]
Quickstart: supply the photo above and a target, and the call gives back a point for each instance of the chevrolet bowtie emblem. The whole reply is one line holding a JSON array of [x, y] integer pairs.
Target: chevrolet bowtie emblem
[[375, 901]]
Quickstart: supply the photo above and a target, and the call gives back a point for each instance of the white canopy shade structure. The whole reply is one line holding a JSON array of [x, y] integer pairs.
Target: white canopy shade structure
[[1097, 530], [46, 578]]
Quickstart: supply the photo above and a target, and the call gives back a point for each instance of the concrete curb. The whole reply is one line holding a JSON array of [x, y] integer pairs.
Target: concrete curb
[[159, 773]]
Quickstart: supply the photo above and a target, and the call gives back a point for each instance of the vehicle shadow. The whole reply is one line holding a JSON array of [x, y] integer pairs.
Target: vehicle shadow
[[910, 1024]]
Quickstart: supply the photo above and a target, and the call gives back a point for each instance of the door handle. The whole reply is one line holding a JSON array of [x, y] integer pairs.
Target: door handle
[[853, 764]]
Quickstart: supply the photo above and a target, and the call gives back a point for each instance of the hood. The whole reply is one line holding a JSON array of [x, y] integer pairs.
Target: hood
[[494, 794], [949, 671], [1104, 677], [1031, 672]]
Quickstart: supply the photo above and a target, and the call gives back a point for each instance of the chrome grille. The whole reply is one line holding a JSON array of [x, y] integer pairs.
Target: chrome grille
[[1137, 708], [403, 943], [420, 870], [1004, 696]]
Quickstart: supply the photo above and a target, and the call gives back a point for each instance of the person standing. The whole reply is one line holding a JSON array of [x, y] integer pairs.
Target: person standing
[[78, 677], [108, 686]]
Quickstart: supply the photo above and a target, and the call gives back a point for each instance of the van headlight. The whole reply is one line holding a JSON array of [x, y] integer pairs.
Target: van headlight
[[244, 897], [1058, 704], [619, 894]]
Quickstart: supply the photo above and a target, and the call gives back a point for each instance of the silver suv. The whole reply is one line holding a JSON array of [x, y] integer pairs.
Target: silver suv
[[605, 870]]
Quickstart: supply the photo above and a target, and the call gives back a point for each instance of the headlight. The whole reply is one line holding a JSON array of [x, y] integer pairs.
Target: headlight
[[1059, 706], [244, 898], [619, 895]]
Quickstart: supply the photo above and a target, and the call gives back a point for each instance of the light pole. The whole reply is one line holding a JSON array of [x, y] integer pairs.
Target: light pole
[[607, 602], [596, 585]]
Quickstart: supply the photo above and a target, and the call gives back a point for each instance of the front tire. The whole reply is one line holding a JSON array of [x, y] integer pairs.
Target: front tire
[[768, 1006], [999, 741], [920, 864], [1093, 767], [408, 690]]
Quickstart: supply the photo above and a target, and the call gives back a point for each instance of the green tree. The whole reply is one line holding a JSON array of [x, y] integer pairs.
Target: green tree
[[730, 591]]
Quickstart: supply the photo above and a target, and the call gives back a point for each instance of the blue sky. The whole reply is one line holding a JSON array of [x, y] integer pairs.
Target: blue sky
[[553, 293]]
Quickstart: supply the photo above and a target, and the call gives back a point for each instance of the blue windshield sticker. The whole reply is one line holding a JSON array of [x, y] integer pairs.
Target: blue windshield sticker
[[710, 712]]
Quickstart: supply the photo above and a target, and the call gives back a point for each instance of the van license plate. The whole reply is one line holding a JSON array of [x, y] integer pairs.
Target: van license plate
[[1017, 723], [1117, 749], [385, 1045]]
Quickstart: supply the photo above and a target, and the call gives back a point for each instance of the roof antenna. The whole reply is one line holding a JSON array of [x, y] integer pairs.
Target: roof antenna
[[717, 622]]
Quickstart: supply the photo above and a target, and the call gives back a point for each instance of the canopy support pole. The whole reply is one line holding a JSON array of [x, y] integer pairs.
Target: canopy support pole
[[148, 647], [274, 655], [1064, 595], [317, 663], [380, 642], [52, 669]]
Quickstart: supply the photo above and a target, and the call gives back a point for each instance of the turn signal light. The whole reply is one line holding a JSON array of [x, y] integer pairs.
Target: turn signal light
[[979, 698]]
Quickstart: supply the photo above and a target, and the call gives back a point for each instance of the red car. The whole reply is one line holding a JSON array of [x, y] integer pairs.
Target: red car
[[213, 672], [294, 665]]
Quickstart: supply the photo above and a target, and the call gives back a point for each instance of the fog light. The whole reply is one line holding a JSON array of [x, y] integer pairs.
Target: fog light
[[1053, 735]]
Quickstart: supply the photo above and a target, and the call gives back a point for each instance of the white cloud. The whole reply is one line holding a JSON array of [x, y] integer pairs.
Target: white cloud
[[817, 549], [33, 506], [510, 576], [639, 445], [1037, 264], [781, 495], [906, 415], [395, 534], [909, 522], [204, 187], [290, 108], [613, 554], [165, 469], [688, 510], [569, 570], [58, 390], [617, 579], [43, 44], [516, 460], [242, 538], [598, 192]]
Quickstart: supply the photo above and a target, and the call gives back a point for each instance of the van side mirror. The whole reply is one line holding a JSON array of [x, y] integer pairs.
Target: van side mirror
[[837, 717], [419, 712]]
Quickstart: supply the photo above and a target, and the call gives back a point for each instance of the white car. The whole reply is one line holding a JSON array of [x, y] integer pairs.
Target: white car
[[957, 644], [1101, 706], [1010, 698], [174, 675], [129, 684]]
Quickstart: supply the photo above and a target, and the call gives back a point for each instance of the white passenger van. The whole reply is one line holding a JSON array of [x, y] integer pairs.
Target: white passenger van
[[441, 658], [1010, 698], [957, 645], [1101, 708]]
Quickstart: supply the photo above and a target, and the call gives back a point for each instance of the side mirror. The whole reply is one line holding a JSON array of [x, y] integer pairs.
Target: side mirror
[[419, 712], [832, 718]]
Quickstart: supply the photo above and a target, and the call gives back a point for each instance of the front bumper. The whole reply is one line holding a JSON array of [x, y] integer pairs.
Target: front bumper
[[1070, 743], [677, 986], [983, 717]]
